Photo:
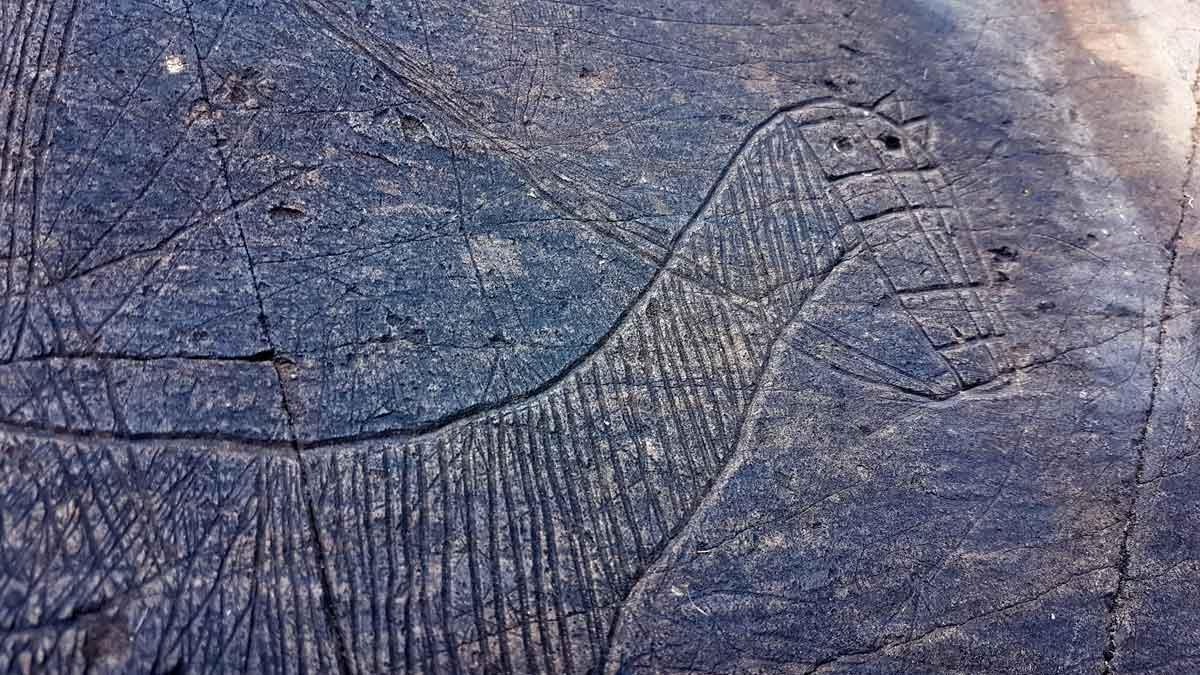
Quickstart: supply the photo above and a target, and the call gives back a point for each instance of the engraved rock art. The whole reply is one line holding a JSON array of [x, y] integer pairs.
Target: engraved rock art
[[534, 521], [545, 337], [520, 530], [608, 463]]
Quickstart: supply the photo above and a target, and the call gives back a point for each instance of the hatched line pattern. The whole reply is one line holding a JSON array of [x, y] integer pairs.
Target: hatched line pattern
[[508, 540], [559, 504]]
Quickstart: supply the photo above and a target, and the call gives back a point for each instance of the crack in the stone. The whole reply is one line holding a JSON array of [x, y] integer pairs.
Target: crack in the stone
[[261, 356], [342, 654], [341, 647], [1112, 612]]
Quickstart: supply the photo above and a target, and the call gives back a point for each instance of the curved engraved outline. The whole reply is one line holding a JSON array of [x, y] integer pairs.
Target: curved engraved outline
[[283, 446], [486, 487], [517, 437]]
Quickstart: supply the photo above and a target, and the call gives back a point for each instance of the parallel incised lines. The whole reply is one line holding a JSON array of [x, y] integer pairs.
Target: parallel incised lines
[[510, 538]]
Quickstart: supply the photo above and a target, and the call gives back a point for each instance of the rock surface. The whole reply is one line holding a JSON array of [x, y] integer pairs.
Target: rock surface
[[549, 336]]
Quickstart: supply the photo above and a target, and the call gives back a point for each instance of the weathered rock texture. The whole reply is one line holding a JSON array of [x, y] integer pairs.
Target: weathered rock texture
[[547, 336]]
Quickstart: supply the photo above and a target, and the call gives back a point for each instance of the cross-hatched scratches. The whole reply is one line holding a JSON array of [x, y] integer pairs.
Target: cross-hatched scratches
[[113, 557], [505, 540], [508, 542]]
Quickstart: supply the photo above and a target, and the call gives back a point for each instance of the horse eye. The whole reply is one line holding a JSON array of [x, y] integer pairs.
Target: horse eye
[[891, 141]]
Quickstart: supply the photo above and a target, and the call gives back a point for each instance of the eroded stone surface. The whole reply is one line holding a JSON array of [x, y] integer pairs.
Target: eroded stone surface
[[540, 336]]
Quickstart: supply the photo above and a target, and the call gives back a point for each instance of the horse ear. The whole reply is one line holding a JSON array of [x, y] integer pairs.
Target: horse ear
[[895, 109]]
